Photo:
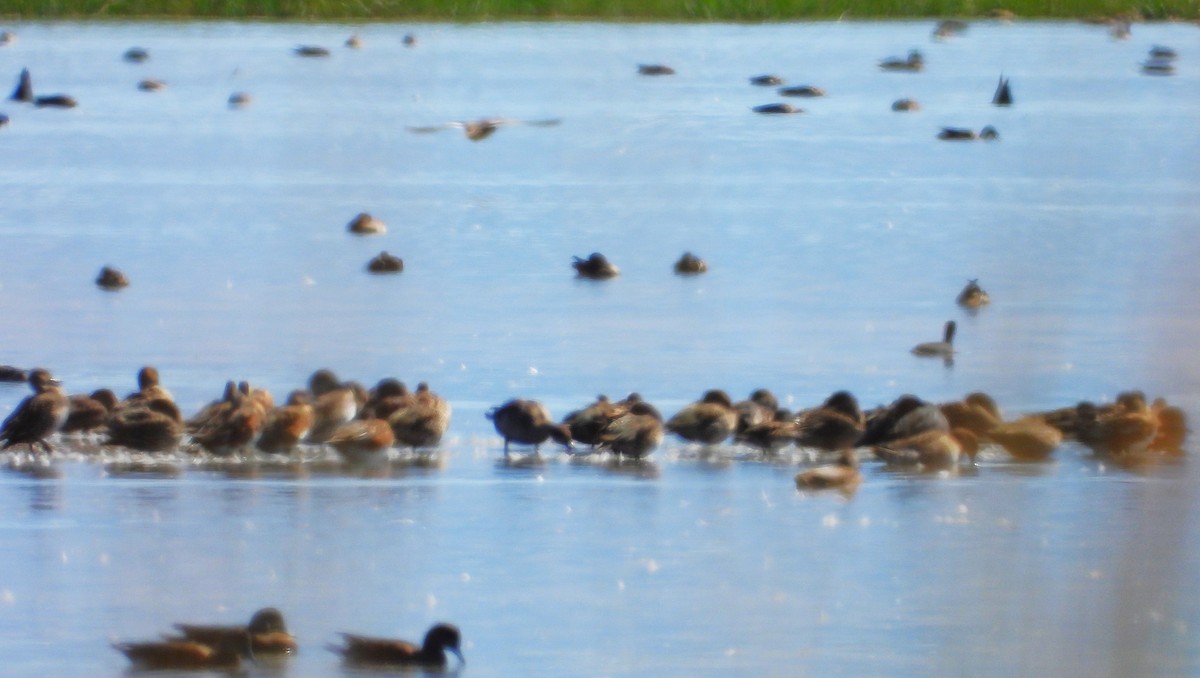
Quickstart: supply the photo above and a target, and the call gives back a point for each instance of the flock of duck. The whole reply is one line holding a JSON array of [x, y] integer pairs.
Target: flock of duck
[[362, 426], [266, 639]]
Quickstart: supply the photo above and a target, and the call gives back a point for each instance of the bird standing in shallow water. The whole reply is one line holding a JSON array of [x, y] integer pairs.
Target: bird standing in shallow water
[[527, 422], [366, 651], [38, 416]]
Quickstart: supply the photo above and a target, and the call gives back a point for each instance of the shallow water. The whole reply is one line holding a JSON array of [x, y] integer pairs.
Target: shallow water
[[836, 239]]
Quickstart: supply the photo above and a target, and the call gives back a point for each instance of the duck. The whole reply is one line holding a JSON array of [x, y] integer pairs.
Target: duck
[[690, 264], [354, 41], [943, 348], [7, 38], [777, 109], [957, 134], [365, 224], [423, 421], [334, 404], [527, 422], [1026, 439], [932, 450], [842, 475], [151, 85], [915, 61], [1003, 95], [905, 105], [587, 423], [155, 427], [38, 416], [807, 91], [311, 51], [267, 632], [989, 133], [655, 69], [709, 421], [635, 434], [977, 413], [906, 416], [766, 80], [235, 427], [136, 55], [385, 263], [24, 89], [55, 101], [595, 267], [1172, 427], [287, 425], [759, 408], [11, 374], [89, 412], [836, 425], [1128, 429], [973, 296], [176, 655], [770, 436], [409, 40], [947, 28], [359, 650], [1158, 66], [149, 387], [240, 99], [478, 130], [362, 441], [111, 279], [387, 396]]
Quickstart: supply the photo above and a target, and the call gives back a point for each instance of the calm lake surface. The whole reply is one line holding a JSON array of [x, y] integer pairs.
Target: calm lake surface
[[836, 240]]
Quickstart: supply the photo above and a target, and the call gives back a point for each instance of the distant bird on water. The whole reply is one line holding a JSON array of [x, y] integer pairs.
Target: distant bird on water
[[479, 130], [655, 69], [38, 416], [915, 61], [973, 296], [595, 267], [358, 650]]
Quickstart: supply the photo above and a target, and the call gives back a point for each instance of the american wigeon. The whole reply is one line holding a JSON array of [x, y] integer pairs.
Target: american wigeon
[[977, 413], [690, 264], [177, 655], [973, 296], [38, 416], [362, 441], [365, 224], [836, 425], [423, 421], [287, 425], [634, 434], [334, 404], [153, 428], [368, 651], [90, 412], [1026, 439]]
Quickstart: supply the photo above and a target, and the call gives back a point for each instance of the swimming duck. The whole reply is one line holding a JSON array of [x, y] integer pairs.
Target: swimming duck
[[311, 51], [777, 109], [353, 42], [89, 412], [957, 134], [409, 40], [634, 434], [423, 422], [655, 69], [240, 99], [915, 61], [527, 422], [267, 632], [55, 101], [24, 89], [136, 55], [989, 133], [836, 425], [690, 264], [385, 263], [7, 38], [843, 475], [111, 279], [766, 80], [595, 267], [362, 441], [175, 655], [365, 224], [807, 91], [287, 425], [151, 85], [906, 105], [478, 130], [943, 348], [38, 416], [972, 296], [367, 651], [1164, 53], [709, 421], [8, 373], [1158, 67], [948, 28]]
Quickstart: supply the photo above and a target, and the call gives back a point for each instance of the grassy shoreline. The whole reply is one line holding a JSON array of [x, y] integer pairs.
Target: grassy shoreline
[[599, 10]]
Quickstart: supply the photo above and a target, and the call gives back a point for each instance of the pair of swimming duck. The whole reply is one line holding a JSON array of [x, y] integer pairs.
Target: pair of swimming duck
[[205, 647], [597, 267]]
